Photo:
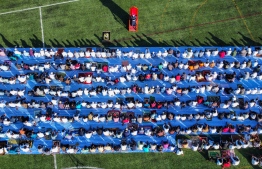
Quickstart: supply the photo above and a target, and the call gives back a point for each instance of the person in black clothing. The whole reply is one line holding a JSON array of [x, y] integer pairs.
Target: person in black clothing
[[141, 78], [133, 20]]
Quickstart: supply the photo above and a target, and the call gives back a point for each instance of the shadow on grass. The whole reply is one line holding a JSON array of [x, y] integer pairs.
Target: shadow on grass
[[247, 153], [135, 40], [120, 15], [6, 42], [248, 41], [75, 160]]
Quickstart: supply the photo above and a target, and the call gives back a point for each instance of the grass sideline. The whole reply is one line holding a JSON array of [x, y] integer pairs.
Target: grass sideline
[[194, 160], [161, 23]]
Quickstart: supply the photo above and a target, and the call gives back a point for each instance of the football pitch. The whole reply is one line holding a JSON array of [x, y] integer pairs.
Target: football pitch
[[79, 23]]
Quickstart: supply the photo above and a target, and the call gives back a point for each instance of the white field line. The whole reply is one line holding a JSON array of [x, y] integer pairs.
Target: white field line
[[27, 9], [42, 28], [87, 167], [55, 161]]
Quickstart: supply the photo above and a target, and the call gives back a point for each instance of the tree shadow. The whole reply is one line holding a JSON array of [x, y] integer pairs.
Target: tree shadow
[[150, 40], [120, 15], [261, 40], [211, 42], [127, 44], [236, 43], [184, 43], [76, 43], [6, 42], [73, 43], [67, 43], [218, 41], [88, 42], [24, 44], [175, 43], [201, 43], [17, 44], [36, 42], [104, 43], [248, 41], [179, 43], [193, 43]]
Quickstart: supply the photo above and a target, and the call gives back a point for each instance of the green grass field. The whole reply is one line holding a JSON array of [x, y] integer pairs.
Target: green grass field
[[161, 23], [194, 160]]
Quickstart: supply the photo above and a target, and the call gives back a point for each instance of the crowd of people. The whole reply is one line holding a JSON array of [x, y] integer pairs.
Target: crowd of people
[[168, 80]]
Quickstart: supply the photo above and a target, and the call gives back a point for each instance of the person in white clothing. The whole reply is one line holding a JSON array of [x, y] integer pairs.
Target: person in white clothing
[[122, 79], [6, 122], [254, 75], [111, 93], [207, 53], [215, 52], [166, 78], [88, 134], [220, 161], [179, 151], [254, 160], [4, 67], [98, 79], [172, 80], [116, 91], [254, 65], [192, 78], [220, 65], [81, 79], [21, 79], [259, 77], [25, 149], [206, 64], [52, 76], [128, 77], [104, 92], [243, 65], [229, 51], [146, 89]]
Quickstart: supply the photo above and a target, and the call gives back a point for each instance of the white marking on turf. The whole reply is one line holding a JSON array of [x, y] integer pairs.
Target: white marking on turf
[[83, 167], [27, 9], [55, 161], [42, 28]]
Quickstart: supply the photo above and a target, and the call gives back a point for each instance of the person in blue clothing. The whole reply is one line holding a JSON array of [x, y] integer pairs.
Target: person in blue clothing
[[146, 147]]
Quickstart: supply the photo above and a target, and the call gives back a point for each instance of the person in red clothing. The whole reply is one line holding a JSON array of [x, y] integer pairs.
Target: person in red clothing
[[148, 76], [153, 105], [200, 99], [226, 164], [232, 129], [159, 105], [116, 80], [225, 129], [134, 89], [105, 68], [77, 66], [125, 120], [222, 54], [178, 77], [48, 118]]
